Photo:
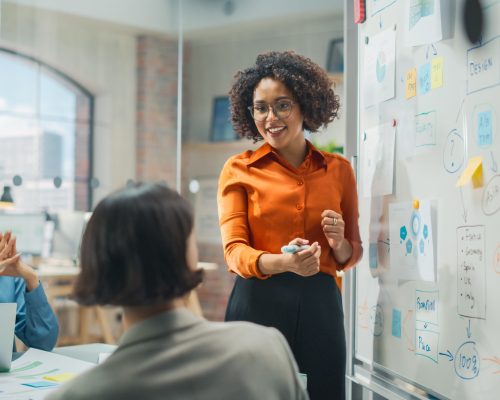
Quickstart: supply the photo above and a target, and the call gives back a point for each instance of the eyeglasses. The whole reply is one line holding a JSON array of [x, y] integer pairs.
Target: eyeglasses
[[281, 109]]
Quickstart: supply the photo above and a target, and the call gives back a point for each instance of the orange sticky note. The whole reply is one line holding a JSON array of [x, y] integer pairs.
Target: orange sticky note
[[411, 83], [437, 72], [65, 376], [473, 172]]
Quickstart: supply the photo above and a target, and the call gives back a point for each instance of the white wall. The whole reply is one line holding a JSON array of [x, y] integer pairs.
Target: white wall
[[99, 57]]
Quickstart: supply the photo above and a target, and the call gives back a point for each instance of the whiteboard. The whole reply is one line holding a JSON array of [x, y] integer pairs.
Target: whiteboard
[[427, 302]]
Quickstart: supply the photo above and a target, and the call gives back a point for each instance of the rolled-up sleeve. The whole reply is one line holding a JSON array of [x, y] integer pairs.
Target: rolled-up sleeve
[[232, 203], [36, 323]]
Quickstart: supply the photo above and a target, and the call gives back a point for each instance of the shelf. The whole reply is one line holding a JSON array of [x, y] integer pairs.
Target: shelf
[[338, 78]]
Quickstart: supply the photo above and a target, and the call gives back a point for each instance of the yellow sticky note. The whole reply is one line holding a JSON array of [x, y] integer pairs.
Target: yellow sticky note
[[437, 72], [411, 83], [473, 172], [65, 376]]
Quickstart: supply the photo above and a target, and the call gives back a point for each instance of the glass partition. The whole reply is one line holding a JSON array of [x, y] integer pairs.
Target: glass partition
[[220, 38], [88, 99]]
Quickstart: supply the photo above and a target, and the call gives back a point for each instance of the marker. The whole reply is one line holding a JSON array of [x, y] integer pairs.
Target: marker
[[293, 248]]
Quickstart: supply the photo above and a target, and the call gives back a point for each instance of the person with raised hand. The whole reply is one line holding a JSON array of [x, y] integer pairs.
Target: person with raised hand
[[36, 324]]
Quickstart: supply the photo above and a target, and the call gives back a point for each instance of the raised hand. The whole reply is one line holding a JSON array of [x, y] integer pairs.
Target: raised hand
[[333, 228]]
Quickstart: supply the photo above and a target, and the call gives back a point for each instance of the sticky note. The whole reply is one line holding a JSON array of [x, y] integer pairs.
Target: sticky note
[[437, 72], [41, 384], [411, 83], [484, 128], [396, 323], [424, 78], [65, 376], [473, 172]]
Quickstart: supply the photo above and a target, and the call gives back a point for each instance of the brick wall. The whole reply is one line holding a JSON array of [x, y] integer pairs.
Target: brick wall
[[217, 284], [156, 109], [156, 148], [82, 162]]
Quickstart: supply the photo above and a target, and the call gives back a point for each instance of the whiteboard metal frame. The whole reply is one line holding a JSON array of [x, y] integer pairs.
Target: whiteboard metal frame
[[359, 371]]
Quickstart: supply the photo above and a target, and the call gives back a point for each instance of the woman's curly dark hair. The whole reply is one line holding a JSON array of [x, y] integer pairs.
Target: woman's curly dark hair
[[308, 82]]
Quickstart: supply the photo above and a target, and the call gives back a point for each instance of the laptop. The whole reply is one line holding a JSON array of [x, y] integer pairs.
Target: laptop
[[7, 324]]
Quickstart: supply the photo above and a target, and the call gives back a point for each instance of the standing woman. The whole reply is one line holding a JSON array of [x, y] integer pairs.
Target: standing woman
[[288, 192]]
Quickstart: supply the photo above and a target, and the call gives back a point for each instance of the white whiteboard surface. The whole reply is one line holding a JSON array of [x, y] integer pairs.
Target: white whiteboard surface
[[442, 335]]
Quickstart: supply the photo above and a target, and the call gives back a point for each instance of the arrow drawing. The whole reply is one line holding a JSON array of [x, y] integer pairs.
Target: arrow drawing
[[494, 166], [469, 333], [447, 354], [460, 109]]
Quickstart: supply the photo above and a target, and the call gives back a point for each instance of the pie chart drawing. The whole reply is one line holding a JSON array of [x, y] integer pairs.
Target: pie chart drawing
[[381, 67]]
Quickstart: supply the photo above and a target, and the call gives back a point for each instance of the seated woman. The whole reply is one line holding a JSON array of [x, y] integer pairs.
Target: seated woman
[[139, 251], [36, 324]]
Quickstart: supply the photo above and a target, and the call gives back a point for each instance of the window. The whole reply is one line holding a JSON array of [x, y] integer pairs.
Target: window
[[45, 135]]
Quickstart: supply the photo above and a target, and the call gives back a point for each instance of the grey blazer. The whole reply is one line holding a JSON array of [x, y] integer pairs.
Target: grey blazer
[[177, 355]]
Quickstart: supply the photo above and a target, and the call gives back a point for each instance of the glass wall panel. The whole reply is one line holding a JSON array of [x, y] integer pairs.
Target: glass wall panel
[[93, 91], [221, 38]]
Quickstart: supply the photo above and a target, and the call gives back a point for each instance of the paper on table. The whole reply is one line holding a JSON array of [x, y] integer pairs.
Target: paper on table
[[103, 357], [65, 376], [31, 368]]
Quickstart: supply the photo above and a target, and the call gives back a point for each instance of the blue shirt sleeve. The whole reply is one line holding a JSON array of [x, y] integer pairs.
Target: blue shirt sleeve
[[36, 324]]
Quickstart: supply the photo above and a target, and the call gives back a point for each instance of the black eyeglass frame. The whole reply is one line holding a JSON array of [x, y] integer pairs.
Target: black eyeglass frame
[[276, 114]]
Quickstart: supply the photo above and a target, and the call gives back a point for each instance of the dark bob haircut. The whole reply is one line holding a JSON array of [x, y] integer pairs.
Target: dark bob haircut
[[308, 82], [133, 250]]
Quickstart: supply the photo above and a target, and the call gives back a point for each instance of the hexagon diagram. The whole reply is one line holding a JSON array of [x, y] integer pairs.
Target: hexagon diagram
[[409, 246], [426, 231], [421, 246], [403, 232]]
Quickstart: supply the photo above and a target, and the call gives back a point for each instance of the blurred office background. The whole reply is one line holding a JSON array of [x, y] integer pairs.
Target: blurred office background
[[95, 94]]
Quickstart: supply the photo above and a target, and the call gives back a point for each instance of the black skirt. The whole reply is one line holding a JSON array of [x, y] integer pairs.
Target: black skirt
[[308, 312]]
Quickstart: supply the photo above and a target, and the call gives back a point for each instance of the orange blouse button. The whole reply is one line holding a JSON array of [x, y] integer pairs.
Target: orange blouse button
[[299, 207]]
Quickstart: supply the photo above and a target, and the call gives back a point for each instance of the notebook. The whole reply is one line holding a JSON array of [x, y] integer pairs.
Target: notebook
[[7, 323]]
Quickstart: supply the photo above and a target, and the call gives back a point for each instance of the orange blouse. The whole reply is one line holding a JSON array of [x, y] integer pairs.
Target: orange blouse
[[264, 202]]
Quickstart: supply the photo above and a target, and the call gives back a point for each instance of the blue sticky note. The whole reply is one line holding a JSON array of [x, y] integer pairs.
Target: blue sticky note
[[484, 128], [40, 384], [373, 253], [424, 78], [396, 323]]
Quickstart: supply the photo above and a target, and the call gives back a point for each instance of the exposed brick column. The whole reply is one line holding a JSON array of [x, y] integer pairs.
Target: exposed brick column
[[82, 164], [156, 147], [156, 109]]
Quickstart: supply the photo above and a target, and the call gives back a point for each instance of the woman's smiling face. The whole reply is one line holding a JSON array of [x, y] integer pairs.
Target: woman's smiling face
[[279, 133]]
